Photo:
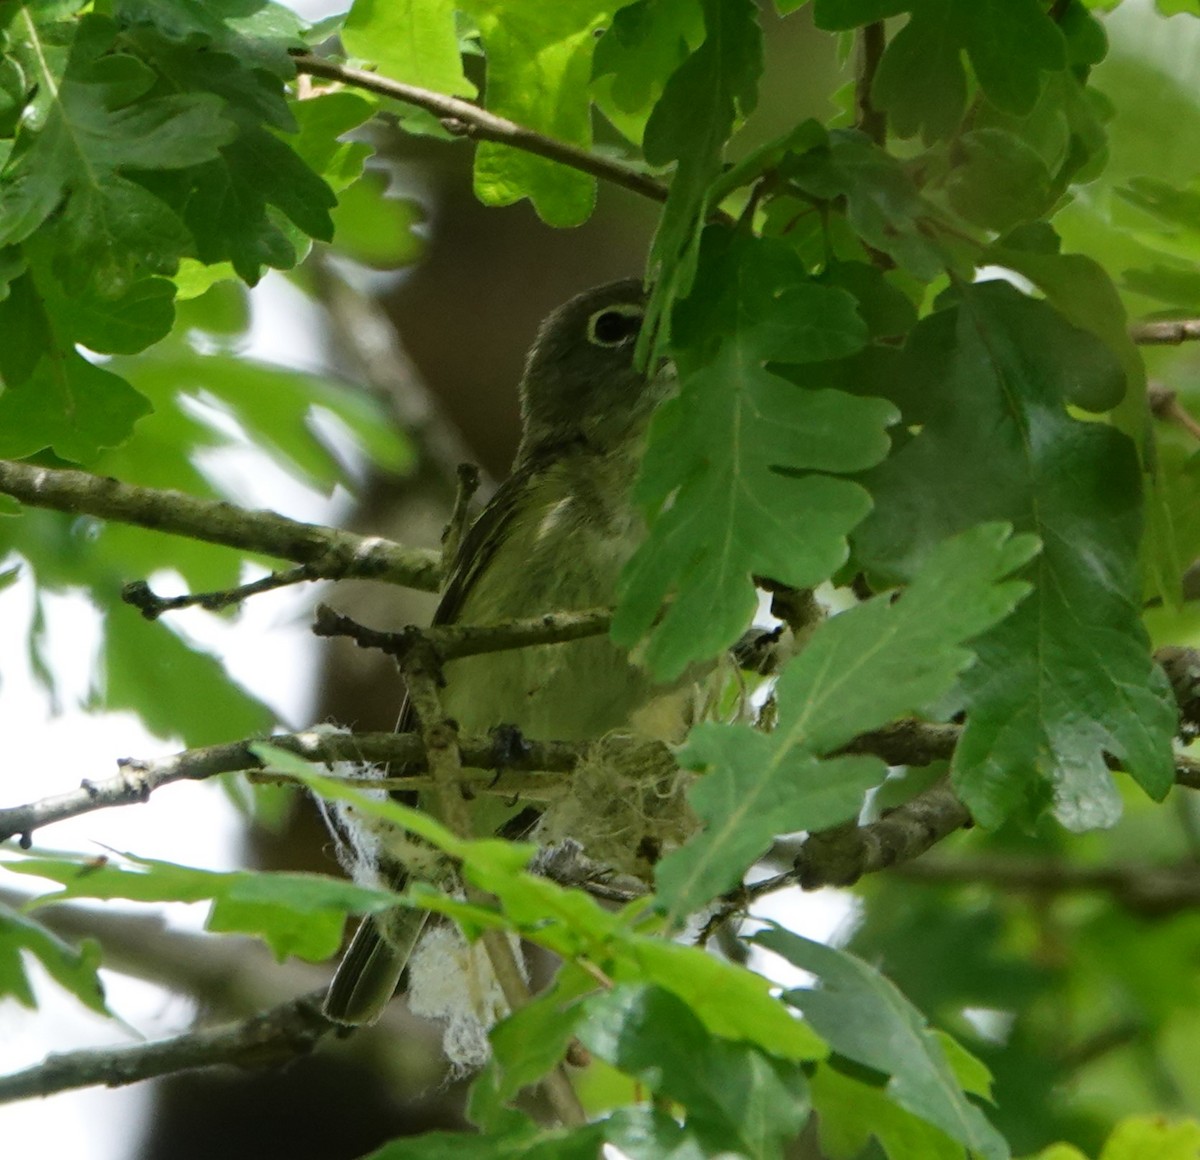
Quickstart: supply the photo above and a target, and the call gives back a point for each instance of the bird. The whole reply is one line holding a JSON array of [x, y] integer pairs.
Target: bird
[[554, 537]]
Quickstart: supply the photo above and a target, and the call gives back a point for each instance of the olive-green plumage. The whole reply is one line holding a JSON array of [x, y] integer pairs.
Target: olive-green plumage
[[553, 538]]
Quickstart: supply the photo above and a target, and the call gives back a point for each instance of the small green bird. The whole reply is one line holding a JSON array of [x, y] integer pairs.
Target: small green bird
[[553, 538]]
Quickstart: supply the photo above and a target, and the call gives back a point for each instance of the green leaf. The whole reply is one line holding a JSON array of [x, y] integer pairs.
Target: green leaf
[[1139, 1137], [865, 1018], [1068, 677], [850, 1112], [921, 81], [539, 61], [178, 690], [534, 1038], [1000, 181], [74, 968], [736, 1097], [414, 41], [95, 125], [690, 125], [70, 405], [531, 1143], [862, 668], [295, 914], [739, 472], [646, 42], [882, 203]]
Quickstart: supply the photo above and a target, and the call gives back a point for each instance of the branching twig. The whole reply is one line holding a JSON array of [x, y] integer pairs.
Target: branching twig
[[1169, 332], [272, 1037], [329, 553], [152, 606], [468, 120], [459, 640]]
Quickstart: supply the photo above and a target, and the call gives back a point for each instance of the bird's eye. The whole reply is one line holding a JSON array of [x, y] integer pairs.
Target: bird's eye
[[614, 325]]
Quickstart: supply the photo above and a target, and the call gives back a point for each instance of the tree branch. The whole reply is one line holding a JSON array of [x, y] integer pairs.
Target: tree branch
[[272, 1037], [330, 553], [138, 778], [468, 120], [1147, 890], [1170, 332]]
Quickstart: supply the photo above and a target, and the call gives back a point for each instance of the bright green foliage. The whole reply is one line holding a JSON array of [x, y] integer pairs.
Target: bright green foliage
[[1068, 676], [72, 967], [746, 459], [539, 64], [860, 669], [409, 40], [867, 1020], [294, 914]]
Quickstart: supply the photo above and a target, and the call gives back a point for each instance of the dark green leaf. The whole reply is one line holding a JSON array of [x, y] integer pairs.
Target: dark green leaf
[[866, 1019], [70, 405], [764, 502], [1069, 676], [690, 125], [736, 1097], [869, 665]]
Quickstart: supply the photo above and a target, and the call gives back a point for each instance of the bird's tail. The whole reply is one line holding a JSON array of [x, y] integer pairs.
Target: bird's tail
[[370, 970]]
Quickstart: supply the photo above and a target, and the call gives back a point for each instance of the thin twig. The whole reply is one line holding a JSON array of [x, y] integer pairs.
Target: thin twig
[[272, 1037], [1165, 405], [1169, 332], [330, 553], [871, 120], [468, 120], [152, 606]]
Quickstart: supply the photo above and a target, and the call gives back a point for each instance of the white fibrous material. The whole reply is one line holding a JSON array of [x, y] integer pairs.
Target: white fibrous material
[[452, 980]]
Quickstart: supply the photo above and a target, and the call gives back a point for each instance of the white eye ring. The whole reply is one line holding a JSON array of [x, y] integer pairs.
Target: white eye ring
[[615, 325]]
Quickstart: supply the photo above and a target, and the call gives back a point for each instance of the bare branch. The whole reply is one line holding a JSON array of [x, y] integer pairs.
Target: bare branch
[[330, 553], [138, 778], [468, 120], [291, 1029], [1170, 332], [152, 606]]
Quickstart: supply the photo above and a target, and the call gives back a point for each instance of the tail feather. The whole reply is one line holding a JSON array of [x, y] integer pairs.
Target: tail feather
[[370, 971]]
